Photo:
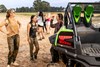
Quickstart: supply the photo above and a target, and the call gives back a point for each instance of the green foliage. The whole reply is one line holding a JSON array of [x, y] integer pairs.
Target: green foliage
[[3, 8], [25, 9], [56, 9], [41, 5], [38, 5]]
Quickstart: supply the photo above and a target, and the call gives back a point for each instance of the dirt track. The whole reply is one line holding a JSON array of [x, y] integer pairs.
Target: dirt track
[[23, 59]]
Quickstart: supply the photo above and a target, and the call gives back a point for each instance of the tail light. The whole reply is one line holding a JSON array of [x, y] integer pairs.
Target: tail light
[[66, 39]]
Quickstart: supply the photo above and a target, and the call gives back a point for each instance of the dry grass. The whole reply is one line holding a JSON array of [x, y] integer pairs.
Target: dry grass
[[23, 57]]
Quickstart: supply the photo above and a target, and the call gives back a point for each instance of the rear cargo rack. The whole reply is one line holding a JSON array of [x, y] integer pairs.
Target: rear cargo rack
[[92, 50]]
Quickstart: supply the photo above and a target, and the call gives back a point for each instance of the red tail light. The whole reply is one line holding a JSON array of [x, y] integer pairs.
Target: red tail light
[[65, 37], [65, 40]]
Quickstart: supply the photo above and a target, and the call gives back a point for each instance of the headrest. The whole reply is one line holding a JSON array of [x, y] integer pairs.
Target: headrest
[[76, 13], [88, 12]]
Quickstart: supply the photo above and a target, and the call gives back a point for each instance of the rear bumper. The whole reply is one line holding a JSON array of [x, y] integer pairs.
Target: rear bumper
[[87, 61]]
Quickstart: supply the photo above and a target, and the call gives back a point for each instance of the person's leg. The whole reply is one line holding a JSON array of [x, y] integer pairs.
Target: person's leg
[[16, 47], [36, 47], [54, 55], [48, 29], [42, 34], [45, 27], [40, 37], [31, 48], [10, 41]]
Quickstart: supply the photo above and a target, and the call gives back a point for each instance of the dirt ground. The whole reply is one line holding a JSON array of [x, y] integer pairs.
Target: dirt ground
[[23, 58]]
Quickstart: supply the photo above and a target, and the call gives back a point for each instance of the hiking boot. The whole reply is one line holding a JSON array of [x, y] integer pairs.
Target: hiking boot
[[32, 59], [35, 56]]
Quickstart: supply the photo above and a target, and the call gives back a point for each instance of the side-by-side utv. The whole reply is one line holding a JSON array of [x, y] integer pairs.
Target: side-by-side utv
[[78, 41]]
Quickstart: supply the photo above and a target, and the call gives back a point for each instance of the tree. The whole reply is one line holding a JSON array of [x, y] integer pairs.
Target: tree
[[37, 5], [3, 8], [45, 6], [24, 9], [41, 5], [31, 9], [56, 9]]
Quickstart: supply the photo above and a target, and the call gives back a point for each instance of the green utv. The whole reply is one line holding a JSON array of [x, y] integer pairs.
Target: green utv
[[78, 41]]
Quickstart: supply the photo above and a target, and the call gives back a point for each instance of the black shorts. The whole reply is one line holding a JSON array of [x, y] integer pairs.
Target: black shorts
[[40, 26]]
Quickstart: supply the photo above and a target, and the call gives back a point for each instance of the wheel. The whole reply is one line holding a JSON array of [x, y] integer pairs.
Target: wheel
[[75, 64], [64, 59], [71, 64], [78, 65], [53, 65]]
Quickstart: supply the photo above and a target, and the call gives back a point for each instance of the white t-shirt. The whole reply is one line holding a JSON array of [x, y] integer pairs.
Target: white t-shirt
[[40, 22]]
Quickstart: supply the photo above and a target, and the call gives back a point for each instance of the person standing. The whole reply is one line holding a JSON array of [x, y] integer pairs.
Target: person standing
[[40, 25], [48, 19], [12, 26], [57, 26], [45, 29], [31, 35]]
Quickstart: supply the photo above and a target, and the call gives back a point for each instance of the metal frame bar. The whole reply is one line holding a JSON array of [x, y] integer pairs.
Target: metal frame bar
[[85, 3], [71, 18]]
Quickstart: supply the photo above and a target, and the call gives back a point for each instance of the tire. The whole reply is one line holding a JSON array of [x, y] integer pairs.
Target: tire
[[54, 55], [71, 64], [53, 65], [75, 64], [78, 65], [64, 59]]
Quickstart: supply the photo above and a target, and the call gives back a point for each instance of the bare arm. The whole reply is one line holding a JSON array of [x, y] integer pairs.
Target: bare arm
[[19, 24], [2, 24], [51, 24], [28, 29]]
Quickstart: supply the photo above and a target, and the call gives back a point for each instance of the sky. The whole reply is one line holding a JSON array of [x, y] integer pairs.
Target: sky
[[29, 3]]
